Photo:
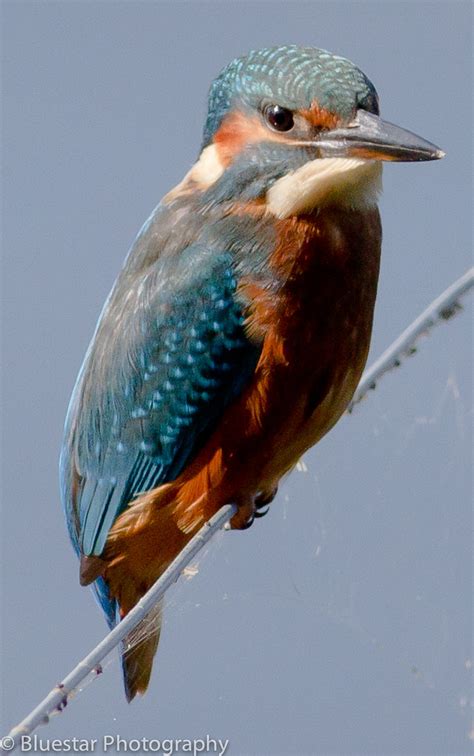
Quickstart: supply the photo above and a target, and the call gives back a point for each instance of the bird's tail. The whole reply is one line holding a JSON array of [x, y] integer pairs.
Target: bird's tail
[[138, 651], [141, 545]]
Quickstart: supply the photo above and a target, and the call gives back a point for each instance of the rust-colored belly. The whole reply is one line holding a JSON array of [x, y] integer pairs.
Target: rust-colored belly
[[316, 331]]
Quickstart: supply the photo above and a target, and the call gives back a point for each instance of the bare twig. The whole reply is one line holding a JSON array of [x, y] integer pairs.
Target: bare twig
[[57, 698], [442, 308]]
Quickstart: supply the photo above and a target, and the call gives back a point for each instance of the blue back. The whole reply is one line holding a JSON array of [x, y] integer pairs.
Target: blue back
[[169, 354]]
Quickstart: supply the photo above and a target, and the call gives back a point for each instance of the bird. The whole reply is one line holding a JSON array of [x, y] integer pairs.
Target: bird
[[239, 325]]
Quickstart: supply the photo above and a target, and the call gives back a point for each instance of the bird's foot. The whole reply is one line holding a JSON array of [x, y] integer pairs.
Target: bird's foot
[[251, 508], [263, 501], [245, 515]]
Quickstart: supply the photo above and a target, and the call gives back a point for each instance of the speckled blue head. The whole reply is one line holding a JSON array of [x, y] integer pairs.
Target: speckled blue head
[[293, 77]]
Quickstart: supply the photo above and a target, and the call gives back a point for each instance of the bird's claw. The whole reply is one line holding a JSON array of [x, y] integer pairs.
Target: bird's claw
[[265, 497], [249, 523], [244, 516], [252, 509]]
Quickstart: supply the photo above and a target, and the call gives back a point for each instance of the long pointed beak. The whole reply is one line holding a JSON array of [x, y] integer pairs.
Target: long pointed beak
[[368, 136]]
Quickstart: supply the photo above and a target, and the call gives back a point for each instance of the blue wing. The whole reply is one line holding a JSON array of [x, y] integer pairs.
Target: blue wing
[[170, 353]]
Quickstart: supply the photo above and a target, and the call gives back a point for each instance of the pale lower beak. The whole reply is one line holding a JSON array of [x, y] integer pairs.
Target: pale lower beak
[[368, 136]]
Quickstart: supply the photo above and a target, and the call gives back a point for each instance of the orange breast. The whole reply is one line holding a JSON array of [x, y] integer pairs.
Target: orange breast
[[316, 333]]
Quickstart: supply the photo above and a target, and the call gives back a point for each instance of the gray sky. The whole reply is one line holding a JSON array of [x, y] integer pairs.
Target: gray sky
[[341, 623]]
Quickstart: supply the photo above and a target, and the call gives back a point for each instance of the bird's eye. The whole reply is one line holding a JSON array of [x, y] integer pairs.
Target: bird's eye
[[280, 119]]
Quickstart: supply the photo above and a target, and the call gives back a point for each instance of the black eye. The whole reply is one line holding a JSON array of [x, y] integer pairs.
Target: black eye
[[280, 119]]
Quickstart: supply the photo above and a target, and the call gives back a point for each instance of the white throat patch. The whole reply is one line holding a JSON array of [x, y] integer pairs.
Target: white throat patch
[[352, 183]]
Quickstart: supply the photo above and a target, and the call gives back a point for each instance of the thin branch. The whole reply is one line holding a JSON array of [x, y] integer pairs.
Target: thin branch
[[446, 305], [56, 700], [442, 308]]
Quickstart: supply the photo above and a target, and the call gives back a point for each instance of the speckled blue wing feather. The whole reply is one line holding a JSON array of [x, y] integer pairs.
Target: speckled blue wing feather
[[169, 355]]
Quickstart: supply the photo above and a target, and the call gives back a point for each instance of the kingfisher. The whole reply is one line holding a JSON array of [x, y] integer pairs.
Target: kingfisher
[[238, 328]]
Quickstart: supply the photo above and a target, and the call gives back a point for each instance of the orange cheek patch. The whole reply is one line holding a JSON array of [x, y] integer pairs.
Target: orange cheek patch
[[320, 117], [236, 131]]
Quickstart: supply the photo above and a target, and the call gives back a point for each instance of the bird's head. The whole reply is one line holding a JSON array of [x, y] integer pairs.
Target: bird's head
[[298, 127]]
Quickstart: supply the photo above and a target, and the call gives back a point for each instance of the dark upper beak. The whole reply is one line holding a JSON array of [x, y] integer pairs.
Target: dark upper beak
[[368, 136]]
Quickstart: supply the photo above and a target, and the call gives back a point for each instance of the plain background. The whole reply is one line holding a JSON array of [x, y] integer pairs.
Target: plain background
[[341, 623]]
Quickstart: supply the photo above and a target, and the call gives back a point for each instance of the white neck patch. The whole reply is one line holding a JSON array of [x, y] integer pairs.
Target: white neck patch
[[351, 183], [202, 174]]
